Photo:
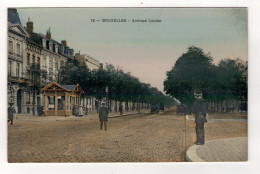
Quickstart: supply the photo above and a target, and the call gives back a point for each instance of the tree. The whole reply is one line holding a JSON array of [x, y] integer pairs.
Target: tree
[[36, 80], [231, 85], [192, 71]]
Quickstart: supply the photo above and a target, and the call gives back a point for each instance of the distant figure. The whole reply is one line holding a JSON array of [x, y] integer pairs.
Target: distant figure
[[182, 109], [11, 112], [103, 116], [121, 109], [80, 111], [200, 118]]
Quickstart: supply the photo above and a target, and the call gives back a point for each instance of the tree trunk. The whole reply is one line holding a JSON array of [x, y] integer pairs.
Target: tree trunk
[[226, 106], [139, 108]]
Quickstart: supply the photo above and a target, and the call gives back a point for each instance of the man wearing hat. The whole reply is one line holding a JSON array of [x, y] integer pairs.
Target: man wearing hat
[[200, 117], [11, 112], [103, 116]]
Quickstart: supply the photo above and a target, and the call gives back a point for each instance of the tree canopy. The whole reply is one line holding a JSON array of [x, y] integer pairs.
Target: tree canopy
[[112, 82], [194, 70]]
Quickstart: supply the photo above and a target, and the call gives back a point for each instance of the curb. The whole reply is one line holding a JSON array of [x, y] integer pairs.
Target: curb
[[116, 116], [191, 153], [217, 120]]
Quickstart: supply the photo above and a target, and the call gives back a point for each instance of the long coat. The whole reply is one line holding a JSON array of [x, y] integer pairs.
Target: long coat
[[103, 114], [200, 111], [11, 112]]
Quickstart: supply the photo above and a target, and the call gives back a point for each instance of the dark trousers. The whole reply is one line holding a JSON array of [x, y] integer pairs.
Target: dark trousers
[[11, 121], [105, 125], [200, 132]]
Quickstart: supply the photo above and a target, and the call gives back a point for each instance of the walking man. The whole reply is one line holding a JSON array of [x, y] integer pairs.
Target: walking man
[[200, 117], [11, 112], [103, 116]]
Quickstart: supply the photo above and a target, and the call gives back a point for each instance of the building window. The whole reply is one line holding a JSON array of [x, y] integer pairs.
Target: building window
[[28, 59], [61, 63], [9, 67], [51, 63], [18, 49], [38, 60], [44, 61], [56, 49], [43, 43], [18, 70], [56, 64], [10, 46], [50, 46], [33, 59], [28, 98]]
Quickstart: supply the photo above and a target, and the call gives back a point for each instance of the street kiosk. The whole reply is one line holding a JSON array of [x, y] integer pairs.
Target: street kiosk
[[61, 99]]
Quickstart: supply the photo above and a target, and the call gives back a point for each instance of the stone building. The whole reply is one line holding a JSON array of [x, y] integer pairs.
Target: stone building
[[17, 37], [25, 50], [243, 66], [87, 60]]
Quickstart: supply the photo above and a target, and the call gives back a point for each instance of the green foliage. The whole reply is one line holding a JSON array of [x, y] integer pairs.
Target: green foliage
[[113, 83], [191, 71], [194, 71]]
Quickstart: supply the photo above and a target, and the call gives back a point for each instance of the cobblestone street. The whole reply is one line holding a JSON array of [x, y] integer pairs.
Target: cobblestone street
[[163, 137]]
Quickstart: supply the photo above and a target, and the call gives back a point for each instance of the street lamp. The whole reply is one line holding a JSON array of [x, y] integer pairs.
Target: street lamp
[[11, 93], [106, 89]]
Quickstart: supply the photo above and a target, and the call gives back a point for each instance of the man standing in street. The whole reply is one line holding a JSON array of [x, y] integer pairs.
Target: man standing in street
[[200, 117], [103, 116], [11, 112]]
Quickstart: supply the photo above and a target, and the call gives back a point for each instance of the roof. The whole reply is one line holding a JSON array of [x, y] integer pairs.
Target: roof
[[54, 86], [13, 16], [68, 87]]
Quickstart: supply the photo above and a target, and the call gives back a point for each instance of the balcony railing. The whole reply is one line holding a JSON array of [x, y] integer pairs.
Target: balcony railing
[[44, 68], [16, 79]]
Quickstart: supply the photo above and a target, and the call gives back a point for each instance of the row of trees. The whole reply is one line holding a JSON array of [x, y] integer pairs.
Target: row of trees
[[112, 83], [194, 70]]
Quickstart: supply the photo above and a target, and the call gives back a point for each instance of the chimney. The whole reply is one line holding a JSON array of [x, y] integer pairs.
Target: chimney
[[64, 43], [29, 26], [48, 34], [101, 66]]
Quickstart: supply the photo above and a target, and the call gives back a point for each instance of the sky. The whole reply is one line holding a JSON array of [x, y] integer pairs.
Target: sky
[[145, 49]]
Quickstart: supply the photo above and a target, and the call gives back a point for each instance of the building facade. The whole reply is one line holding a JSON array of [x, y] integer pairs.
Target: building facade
[[29, 54], [17, 37], [87, 60]]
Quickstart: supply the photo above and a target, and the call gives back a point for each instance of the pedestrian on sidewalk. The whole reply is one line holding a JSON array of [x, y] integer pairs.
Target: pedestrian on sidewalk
[[200, 117], [11, 112], [103, 116], [80, 111], [121, 109]]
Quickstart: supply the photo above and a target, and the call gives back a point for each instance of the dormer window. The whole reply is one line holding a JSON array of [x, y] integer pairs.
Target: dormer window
[[62, 50], [10, 46], [56, 48], [44, 43], [50, 46], [18, 49]]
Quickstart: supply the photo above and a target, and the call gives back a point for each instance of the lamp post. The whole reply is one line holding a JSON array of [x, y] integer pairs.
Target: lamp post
[[11, 94], [107, 102]]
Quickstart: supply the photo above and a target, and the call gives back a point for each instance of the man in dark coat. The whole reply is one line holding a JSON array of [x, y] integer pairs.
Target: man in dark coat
[[200, 118], [103, 116], [11, 112]]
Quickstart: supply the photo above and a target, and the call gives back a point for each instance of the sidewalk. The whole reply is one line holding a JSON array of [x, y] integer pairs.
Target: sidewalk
[[224, 150], [216, 117], [90, 115]]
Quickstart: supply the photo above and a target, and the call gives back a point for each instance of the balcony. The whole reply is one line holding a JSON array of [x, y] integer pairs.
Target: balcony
[[44, 68], [16, 79], [14, 56]]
